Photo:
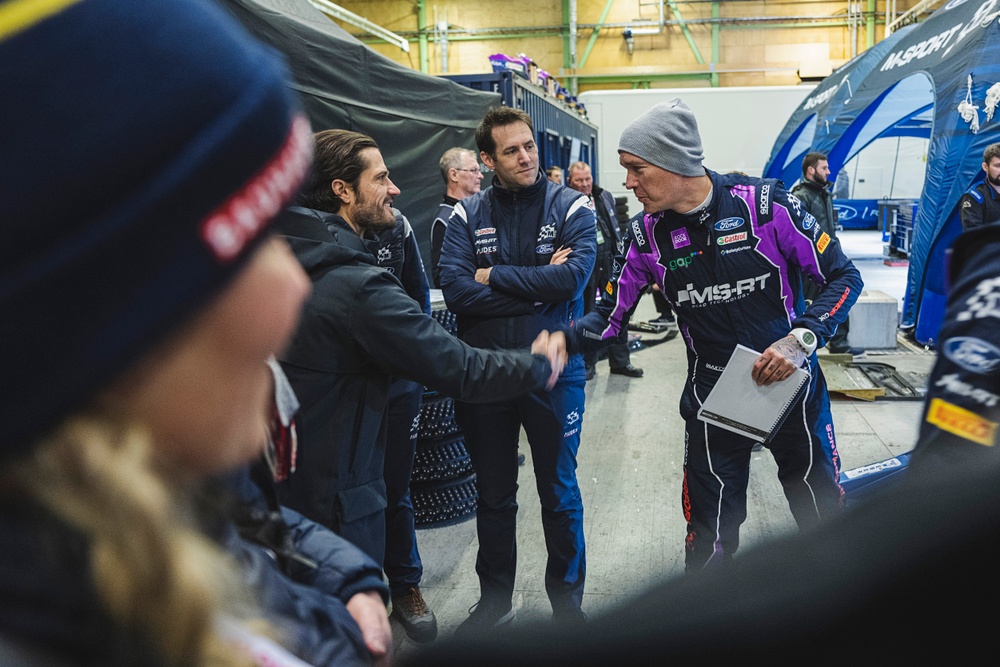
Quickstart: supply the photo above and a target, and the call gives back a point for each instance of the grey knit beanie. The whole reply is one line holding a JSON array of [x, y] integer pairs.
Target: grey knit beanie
[[667, 136]]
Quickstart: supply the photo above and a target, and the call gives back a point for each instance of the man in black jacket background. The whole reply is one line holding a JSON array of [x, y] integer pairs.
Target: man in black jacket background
[[980, 205], [814, 193], [360, 329]]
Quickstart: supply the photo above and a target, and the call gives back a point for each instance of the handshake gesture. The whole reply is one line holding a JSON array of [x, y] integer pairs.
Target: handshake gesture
[[553, 346]]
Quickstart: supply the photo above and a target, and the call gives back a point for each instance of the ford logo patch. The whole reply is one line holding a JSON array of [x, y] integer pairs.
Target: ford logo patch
[[972, 354], [545, 249], [728, 224]]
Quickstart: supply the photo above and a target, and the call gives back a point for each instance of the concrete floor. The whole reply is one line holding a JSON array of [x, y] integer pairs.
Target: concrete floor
[[630, 471]]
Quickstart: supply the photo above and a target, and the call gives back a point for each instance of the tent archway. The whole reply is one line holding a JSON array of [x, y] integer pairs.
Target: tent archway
[[957, 49]]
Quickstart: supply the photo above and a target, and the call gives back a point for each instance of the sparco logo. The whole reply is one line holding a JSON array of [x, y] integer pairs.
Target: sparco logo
[[728, 224], [765, 190], [973, 354], [721, 293], [954, 385], [637, 232]]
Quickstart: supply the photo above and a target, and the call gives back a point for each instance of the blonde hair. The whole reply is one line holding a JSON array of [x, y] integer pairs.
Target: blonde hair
[[153, 569]]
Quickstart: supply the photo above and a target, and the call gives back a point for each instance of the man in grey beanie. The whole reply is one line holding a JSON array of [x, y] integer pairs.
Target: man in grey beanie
[[666, 136], [721, 248]]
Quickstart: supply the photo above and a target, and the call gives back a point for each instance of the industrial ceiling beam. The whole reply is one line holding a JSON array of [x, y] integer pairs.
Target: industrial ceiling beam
[[338, 12], [910, 16], [593, 35], [675, 10]]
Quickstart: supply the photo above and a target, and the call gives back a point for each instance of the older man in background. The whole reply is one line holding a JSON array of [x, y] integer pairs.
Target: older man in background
[[462, 175]]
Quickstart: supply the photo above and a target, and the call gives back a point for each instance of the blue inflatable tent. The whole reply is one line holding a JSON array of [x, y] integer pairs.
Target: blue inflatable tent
[[912, 83]]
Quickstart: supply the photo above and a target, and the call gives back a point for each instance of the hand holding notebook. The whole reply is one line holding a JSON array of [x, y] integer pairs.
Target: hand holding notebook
[[738, 404]]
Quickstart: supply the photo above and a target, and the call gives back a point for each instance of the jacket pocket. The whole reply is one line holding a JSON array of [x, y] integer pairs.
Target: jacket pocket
[[361, 501]]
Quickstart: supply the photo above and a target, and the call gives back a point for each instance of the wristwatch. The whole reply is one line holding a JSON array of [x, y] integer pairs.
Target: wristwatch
[[806, 339]]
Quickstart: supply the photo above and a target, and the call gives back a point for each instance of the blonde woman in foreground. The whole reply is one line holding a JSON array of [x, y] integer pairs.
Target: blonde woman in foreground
[[149, 146]]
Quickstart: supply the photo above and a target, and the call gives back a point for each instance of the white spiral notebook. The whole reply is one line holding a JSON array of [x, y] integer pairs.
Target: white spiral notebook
[[736, 403]]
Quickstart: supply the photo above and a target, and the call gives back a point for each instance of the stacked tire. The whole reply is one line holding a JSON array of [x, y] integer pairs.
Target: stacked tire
[[621, 211], [443, 485]]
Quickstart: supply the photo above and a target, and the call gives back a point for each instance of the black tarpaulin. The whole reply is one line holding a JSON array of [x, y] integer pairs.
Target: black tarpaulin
[[343, 84]]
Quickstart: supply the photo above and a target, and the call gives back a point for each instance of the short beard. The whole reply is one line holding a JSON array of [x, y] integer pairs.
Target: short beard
[[370, 216], [820, 181], [993, 181]]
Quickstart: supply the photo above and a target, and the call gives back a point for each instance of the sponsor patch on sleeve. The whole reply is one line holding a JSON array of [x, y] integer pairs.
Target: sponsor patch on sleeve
[[961, 422], [608, 288], [823, 242]]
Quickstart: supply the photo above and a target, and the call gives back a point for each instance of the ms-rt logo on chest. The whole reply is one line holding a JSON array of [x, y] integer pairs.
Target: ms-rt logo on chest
[[721, 293]]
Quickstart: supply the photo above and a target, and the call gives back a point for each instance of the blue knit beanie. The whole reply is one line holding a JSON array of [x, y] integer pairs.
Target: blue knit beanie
[[145, 146]]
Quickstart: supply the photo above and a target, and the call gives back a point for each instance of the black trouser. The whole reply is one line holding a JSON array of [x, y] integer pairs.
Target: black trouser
[[617, 353], [717, 470], [662, 305]]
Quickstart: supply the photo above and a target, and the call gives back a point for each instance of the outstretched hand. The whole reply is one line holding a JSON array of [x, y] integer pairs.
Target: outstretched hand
[[778, 362], [368, 611], [552, 346]]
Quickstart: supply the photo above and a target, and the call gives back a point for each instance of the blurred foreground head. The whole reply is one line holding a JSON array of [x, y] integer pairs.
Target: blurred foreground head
[[147, 147]]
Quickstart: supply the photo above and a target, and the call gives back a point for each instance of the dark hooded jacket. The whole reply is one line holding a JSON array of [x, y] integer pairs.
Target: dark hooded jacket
[[358, 330]]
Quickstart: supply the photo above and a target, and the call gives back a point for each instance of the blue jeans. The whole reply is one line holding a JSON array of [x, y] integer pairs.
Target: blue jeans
[[402, 560]]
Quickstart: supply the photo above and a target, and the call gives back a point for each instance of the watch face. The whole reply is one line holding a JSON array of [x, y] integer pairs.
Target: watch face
[[808, 337]]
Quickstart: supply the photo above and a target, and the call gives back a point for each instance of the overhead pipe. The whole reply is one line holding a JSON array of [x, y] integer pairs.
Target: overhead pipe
[[752, 22], [910, 15], [425, 63], [464, 35], [441, 37], [870, 24], [338, 12], [715, 45], [572, 33], [852, 17], [637, 28]]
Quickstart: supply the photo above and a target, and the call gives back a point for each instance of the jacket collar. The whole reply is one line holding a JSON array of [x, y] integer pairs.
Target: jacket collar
[[530, 192], [812, 185], [345, 235]]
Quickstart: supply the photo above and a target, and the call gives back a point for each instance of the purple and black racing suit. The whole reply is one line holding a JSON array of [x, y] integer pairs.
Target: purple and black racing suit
[[730, 271]]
